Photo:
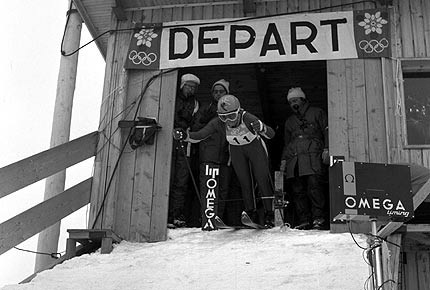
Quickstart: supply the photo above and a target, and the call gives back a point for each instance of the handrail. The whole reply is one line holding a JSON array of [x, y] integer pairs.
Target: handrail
[[39, 166], [32, 221]]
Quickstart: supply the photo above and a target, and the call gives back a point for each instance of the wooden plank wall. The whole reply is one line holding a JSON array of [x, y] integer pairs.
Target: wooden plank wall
[[356, 105], [412, 32], [135, 204], [411, 28]]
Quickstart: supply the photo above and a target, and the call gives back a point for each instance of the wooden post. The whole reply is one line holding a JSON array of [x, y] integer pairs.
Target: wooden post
[[48, 239]]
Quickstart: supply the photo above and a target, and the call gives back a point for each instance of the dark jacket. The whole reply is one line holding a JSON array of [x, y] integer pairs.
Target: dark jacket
[[306, 135], [185, 108], [217, 126], [214, 148]]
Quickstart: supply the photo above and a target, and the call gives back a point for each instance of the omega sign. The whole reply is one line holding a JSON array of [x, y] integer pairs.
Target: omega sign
[[362, 190], [210, 197], [292, 37]]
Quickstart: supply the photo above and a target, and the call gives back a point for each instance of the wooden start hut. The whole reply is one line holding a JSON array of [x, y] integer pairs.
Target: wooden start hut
[[367, 63]]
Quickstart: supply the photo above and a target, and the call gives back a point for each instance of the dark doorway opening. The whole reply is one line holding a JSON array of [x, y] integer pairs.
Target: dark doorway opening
[[262, 89]]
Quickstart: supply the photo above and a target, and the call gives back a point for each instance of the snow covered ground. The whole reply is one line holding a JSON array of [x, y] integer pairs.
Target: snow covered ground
[[224, 259]]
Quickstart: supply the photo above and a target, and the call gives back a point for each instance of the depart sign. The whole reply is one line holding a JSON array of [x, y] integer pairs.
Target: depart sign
[[292, 37]]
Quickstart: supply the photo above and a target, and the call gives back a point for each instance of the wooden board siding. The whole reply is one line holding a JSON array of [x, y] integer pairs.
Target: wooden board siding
[[105, 128], [135, 206], [415, 270], [412, 31], [372, 123], [356, 106]]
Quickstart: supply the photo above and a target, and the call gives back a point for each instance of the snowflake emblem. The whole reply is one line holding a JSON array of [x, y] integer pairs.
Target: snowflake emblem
[[372, 23], [145, 36]]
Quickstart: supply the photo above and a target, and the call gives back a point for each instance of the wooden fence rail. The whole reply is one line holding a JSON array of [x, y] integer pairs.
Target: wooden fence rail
[[23, 226], [37, 167]]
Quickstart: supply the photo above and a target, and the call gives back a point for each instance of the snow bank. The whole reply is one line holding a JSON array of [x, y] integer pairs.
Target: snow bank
[[225, 259]]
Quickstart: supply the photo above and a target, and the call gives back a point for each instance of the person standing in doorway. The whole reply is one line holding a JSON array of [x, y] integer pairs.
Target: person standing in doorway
[[186, 106], [305, 150], [213, 151]]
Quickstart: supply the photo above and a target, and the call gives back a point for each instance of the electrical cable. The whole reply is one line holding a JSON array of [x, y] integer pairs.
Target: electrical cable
[[389, 280], [367, 254], [65, 27], [366, 283], [350, 231], [52, 255], [142, 93], [383, 239], [212, 23]]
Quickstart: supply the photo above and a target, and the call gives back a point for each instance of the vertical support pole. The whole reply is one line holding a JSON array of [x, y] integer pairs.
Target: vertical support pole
[[378, 258], [70, 248], [279, 203], [48, 239]]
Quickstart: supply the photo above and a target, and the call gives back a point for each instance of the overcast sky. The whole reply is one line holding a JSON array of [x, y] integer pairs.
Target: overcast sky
[[29, 64]]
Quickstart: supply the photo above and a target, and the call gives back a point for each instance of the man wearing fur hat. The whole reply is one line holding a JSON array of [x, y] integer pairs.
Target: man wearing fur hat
[[186, 106], [305, 151], [214, 149]]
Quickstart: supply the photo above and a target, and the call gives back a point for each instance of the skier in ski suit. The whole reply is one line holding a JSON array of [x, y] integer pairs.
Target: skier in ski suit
[[185, 108], [214, 149], [248, 152], [305, 149]]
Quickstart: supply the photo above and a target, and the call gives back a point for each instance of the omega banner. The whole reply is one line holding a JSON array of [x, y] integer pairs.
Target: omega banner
[[359, 191], [210, 195], [293, 37]]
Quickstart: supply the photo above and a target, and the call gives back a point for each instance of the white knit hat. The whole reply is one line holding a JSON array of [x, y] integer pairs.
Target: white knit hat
[[189, 78], [295, 93], [222, 82]]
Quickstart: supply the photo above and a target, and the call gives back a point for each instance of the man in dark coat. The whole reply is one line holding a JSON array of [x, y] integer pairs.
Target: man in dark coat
[[186, 106], [214, 149], [305, 147]]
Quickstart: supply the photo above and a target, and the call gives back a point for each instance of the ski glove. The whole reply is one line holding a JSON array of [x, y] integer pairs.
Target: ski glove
[[258, 126], [325, 156], [179, 134], [283, 165]]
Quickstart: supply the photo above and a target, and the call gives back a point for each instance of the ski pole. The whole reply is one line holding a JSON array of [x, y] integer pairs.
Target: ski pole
[[181, 144]]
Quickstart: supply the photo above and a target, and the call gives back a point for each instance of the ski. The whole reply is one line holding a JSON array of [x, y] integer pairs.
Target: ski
[[218, 223], [247, 221]]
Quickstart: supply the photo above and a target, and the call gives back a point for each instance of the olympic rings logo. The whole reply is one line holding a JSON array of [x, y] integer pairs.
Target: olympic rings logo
[[373, 45], [142, 57]]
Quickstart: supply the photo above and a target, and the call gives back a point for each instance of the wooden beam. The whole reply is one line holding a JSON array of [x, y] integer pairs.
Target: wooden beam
[[418, 198], [249, 7], [390, 228], [414, 228], [90, 25], [279, 188], [422, 194], [119, 12], [163, 158], [23, 226], [37, 167], [391, 260]]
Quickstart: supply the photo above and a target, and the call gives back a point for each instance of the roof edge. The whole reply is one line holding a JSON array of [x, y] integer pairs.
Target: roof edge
[[90, 26]]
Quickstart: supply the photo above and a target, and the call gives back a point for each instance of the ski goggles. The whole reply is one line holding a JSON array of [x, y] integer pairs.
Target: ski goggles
[[232, 116]]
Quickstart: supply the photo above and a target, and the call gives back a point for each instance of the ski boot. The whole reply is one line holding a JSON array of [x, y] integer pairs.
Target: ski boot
[[318, 224], [269, 217]]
